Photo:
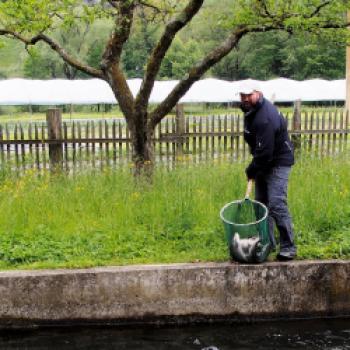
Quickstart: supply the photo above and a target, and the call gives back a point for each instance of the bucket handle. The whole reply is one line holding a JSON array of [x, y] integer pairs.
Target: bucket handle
[[249, 188]]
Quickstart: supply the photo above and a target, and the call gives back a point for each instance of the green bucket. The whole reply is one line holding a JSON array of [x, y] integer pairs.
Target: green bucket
[[249, 219]]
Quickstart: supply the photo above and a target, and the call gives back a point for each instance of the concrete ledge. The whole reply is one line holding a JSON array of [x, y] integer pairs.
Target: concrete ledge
[[175, 293]]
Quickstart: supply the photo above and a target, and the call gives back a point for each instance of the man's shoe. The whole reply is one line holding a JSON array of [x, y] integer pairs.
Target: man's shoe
[[286, 256]]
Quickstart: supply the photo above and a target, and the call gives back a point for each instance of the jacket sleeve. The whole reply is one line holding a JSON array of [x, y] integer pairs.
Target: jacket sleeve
[[263, 154]]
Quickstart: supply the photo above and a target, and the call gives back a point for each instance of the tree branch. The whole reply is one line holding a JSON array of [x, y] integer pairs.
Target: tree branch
[[194, 74], [123, 23], [152, 7], [314, 13], [162, 47], [318, 9], [122, 92], [56, 47], [217, 54], [267, 14], [263, 5], [197, 71], [110, 63]]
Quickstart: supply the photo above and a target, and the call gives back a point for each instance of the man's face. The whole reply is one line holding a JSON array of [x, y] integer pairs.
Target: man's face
[[250, 100]]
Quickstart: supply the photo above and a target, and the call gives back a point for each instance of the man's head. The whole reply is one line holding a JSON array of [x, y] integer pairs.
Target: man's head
[[250, 94]]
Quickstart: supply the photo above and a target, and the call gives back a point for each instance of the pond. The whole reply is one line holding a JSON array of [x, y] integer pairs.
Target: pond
[[325, 334]]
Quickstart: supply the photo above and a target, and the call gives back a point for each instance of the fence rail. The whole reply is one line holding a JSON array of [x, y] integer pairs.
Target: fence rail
[[191, 138]]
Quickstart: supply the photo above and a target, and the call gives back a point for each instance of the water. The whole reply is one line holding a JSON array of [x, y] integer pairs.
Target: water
[[330, 334]]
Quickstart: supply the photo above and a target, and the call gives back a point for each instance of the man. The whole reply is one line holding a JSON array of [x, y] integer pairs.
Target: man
[[265, 131]]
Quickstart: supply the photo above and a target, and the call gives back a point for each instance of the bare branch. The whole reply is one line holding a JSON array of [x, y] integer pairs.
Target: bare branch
[[162, 47], [14, 35], [153, 7], [56, 47], [330, 25]]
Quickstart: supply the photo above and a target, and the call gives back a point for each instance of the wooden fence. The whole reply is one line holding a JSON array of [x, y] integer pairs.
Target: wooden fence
[[77, 144]]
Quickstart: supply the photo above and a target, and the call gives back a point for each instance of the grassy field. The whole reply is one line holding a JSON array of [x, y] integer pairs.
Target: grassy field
[[12, 115], [16, 114], [105, 218]]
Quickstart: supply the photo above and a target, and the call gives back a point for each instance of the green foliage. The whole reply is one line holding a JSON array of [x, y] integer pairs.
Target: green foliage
[[37, 16], [314, 53], [105, 218], [298, 15], [34, 15]]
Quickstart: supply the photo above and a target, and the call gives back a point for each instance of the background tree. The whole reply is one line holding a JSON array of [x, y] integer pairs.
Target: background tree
[[34, 21], [139, 46], [12, 57], [179, 59], [313, 56]]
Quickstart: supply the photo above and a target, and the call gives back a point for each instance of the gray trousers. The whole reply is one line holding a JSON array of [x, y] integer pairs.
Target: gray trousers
[[271, 190]]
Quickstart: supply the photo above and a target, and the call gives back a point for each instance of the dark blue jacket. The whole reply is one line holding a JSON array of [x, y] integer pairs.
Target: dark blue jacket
[[265, 131]]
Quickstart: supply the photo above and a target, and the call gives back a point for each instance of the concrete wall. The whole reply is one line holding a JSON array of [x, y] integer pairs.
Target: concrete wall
[[175, 293]]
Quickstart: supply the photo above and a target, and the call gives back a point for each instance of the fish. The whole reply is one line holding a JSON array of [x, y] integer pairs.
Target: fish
[[243, 249]]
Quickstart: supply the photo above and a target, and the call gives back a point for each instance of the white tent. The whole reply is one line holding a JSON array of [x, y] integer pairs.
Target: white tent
[[281, 90], [54, 92], [210, 90], [94, 91]]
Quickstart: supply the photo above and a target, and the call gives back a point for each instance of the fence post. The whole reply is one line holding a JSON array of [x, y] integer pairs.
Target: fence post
[[180, 128], [296, 137], [54, 130]]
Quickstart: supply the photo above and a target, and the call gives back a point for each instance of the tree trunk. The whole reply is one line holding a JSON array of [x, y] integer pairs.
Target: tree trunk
[[142, 146]]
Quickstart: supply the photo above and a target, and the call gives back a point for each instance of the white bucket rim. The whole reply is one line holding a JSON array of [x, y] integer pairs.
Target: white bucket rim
[[247, 224]]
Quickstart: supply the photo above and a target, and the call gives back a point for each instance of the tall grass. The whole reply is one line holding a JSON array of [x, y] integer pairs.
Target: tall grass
[[320, 203], [106, 218]]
